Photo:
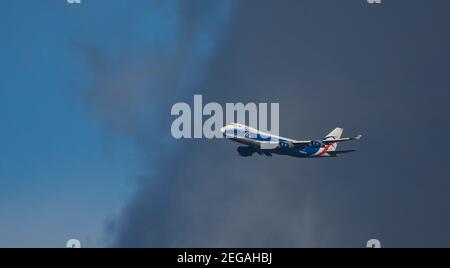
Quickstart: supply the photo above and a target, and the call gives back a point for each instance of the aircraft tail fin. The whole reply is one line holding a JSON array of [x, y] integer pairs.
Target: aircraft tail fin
[[333, 135]]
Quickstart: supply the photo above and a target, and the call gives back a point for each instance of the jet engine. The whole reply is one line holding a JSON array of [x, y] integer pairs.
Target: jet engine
[[315, 143], [245, 151], [285, 144]]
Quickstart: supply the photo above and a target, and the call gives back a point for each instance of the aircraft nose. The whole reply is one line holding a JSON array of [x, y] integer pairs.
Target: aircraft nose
[[222, 130]]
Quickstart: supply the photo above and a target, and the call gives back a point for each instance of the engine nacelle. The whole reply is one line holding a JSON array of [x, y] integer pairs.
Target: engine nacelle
[[245, 151], [315, 143], [285, 144]]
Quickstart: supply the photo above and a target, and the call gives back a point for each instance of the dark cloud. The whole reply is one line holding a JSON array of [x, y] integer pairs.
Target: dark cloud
[[380, 70]]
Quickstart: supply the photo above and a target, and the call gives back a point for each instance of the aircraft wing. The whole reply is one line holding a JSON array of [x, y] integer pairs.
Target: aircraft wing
[[301, 142], [327, 141]]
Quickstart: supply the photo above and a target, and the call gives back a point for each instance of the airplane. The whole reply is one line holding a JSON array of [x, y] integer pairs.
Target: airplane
[[268, 144]]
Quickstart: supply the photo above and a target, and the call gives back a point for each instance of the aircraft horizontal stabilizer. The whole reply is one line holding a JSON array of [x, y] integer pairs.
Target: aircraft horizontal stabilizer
[[336, 153]]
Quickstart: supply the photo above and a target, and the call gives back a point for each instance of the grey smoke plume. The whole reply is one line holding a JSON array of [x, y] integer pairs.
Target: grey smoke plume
[[328, 64]]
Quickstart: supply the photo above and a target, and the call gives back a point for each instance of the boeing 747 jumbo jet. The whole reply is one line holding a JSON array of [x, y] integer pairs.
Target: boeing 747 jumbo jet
[[268, 144]]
